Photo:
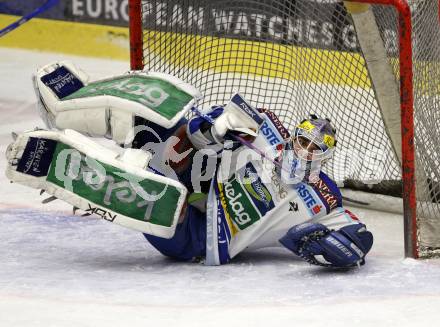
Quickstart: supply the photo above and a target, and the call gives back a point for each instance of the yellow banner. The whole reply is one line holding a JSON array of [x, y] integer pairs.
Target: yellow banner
[[68, 37]]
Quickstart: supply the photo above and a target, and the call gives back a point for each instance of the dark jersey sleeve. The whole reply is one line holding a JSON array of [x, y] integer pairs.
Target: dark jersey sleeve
[[328, 191]]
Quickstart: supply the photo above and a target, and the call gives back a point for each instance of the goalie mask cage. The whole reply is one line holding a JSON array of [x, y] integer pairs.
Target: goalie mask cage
[[368, 66]]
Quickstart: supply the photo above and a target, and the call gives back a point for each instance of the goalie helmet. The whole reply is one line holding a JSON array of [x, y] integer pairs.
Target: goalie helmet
[[314, 139], [311, 144]]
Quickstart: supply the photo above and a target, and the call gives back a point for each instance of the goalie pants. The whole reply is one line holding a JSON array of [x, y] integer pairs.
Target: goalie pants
[[188, 242]]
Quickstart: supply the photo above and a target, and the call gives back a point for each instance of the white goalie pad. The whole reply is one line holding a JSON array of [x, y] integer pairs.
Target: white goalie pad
[[47, 100], [99, 181], [67, 99]]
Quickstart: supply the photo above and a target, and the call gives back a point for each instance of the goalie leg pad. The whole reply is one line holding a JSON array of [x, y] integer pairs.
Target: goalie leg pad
[[83, 173], [53, 82], [108, 107]]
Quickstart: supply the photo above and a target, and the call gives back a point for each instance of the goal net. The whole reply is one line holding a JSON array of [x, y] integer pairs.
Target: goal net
[[297, 57]]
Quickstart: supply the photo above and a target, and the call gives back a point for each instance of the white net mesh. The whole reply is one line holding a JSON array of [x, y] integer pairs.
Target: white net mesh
[[297, 57]]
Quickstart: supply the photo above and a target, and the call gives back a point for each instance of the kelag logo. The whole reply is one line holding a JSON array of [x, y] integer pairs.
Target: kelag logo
[[258, 192], [238, 204]]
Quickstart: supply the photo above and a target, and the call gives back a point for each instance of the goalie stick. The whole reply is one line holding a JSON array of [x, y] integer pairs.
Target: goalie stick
[[47, 5]]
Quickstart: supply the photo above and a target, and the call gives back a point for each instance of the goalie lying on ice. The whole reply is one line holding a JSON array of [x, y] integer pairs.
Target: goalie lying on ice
[[189, 186]]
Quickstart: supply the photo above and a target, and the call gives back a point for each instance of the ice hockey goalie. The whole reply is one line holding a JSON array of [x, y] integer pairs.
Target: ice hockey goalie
[[190, 186]]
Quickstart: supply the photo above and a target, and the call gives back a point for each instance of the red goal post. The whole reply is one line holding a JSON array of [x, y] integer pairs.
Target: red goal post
[[407, 122], [136, 36], [408, 167]]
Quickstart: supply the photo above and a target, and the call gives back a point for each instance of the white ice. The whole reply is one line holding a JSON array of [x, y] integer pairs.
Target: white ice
[[57, 269]]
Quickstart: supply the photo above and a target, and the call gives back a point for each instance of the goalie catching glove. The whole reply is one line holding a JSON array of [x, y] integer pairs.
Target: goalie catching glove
[[318, 245]]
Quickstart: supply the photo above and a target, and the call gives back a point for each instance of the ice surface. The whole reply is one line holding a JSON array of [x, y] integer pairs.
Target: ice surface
[[57, 269]]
